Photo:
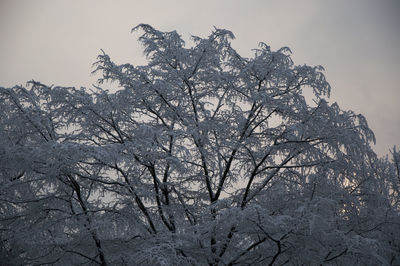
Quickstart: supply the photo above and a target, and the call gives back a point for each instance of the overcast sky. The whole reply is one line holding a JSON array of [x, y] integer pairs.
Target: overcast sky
[[357, 42]]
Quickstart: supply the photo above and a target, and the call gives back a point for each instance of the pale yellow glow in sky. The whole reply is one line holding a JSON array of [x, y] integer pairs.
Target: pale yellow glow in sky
[[358, 42]]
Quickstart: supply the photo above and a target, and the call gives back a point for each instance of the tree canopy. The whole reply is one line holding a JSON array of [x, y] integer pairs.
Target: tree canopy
[[199, 157]]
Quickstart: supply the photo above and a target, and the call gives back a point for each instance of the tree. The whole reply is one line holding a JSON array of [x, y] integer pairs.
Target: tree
[[200, 157]]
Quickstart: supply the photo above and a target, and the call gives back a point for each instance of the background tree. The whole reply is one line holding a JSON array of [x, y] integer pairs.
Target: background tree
[[200, 157]]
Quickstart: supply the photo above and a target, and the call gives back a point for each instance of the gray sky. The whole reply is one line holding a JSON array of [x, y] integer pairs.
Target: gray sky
[[358, 42]]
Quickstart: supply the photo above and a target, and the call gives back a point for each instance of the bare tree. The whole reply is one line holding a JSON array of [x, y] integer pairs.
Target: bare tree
[[200, 157]]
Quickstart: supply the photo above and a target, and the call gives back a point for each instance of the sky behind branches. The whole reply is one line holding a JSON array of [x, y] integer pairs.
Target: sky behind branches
[[357, 42]]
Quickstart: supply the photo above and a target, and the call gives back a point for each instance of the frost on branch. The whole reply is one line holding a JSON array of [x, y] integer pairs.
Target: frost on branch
[[200, 157]]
